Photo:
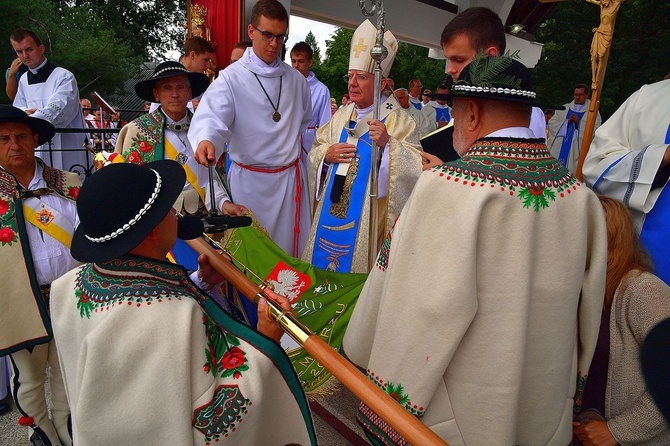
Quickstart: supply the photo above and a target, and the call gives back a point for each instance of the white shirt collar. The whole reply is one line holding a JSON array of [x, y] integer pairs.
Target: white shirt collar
[[512, 132], [37, 68]]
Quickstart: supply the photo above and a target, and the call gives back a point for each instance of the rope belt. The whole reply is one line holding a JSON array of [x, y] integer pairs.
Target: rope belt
[[267, 169], [298, 194]]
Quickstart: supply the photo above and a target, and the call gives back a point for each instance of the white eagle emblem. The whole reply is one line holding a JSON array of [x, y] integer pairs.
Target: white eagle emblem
[[287, 284]]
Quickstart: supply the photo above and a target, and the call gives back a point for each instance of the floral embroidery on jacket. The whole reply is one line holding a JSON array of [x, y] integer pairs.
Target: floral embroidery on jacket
[[223, 357], [221, 416], [375, 424], [133, 281], [522, 167]]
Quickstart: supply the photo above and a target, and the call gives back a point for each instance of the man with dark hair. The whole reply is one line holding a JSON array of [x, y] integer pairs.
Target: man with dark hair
[[260, 106], [415, 87], [198, 54], [50, 92], [238, 50], [37, 220], [301, 60], [566, 128], [492, 348], [147, 357], [476, 30]]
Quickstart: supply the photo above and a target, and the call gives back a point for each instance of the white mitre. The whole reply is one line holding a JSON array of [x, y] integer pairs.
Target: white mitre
[[362, 42]]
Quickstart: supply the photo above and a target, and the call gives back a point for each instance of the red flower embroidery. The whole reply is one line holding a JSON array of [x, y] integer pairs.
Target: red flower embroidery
[[7, 235], [536, 190], [144, 146], [233, 358], [73, 192], [134, 158], [4, 207]]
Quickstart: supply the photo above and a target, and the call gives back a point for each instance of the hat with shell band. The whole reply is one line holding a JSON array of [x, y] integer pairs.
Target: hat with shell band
[[365, 37], [121, 204], [198, 81], [499, 78]]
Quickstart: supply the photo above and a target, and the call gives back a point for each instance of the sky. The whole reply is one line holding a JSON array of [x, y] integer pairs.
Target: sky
[[299, 27]]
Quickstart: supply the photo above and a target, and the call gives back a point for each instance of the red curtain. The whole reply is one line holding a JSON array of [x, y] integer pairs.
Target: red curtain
[[223, 22]]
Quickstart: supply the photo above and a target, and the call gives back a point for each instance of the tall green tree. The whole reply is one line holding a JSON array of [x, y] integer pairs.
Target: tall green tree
[[78, 42], [150, 27], [639, 53], [311, 41]]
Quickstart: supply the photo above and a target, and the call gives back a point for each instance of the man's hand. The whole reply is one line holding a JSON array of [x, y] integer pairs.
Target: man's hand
[[207, 273], [14, 67], [233, 209], [666, 157], [429, 161], [574, 118], [30, 111], [378, 133], [205, 153], [340, 153], [266, 325], [595, 433]]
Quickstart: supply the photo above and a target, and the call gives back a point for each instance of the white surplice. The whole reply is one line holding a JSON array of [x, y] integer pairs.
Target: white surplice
[[235, 110]]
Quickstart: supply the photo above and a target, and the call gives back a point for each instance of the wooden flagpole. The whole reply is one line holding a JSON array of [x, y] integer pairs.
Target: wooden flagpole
[[600, 51], [406, 424]]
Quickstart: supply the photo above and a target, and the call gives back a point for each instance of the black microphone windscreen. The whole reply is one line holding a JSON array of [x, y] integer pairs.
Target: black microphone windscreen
[[229, 222], [189, 227]]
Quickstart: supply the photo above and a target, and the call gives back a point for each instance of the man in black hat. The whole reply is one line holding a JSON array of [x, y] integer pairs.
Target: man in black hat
[[507, 251], [37, 220], [162, 135], [149, 359]]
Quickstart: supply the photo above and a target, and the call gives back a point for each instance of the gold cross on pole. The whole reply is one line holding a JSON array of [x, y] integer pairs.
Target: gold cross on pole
[[360, 47]]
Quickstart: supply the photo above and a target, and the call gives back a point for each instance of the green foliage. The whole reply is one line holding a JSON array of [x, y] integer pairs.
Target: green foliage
[[77, 41], [311, 41], [639, 53]]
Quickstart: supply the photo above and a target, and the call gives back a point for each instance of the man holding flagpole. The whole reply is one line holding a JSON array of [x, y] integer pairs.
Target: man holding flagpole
[[38, 216]]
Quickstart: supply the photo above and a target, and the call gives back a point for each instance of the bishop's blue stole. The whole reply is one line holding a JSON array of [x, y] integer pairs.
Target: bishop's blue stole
[[335, 240], [442, 114], [416, 105], [655, 234], [569, 133]]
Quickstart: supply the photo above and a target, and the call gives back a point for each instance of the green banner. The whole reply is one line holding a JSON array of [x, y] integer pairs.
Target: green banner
[[322, 300]]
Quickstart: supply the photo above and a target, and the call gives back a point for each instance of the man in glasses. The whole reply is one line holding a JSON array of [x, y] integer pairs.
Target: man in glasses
[[339, 237], [260, 106]]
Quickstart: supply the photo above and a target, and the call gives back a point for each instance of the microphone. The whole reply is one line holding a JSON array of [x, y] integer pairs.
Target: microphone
[[219, 223], [189, 227]]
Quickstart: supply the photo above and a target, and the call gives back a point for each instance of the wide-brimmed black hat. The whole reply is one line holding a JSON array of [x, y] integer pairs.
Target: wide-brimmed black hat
[[43, 128], [120, 205], [500, 78], [145, 89]]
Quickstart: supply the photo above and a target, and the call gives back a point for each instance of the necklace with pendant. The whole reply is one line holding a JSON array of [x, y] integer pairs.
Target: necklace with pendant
[[276, 116]]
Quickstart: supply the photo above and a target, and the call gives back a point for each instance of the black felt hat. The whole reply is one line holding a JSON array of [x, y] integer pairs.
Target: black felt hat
[[500, 78], [145, 89], [43, 128], [121, 204]]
